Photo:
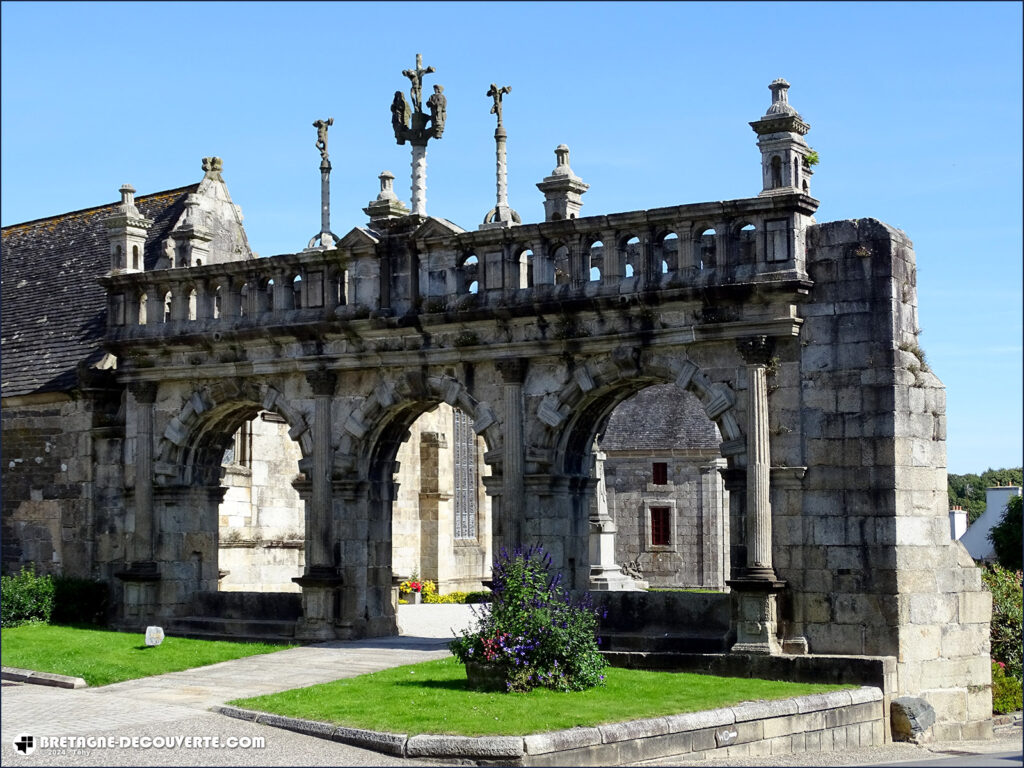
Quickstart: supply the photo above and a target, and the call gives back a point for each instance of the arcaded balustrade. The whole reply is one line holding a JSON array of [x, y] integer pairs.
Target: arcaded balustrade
[[697, 245]]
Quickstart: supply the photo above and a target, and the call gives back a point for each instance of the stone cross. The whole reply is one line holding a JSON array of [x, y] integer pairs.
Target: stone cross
[[416, 79], [496, 93]]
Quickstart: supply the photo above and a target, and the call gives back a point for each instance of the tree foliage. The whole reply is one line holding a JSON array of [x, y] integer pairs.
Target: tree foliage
[[1007, 536], [968, 491]]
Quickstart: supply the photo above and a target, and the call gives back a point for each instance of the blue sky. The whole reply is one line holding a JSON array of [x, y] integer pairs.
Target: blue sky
[[915, 109]]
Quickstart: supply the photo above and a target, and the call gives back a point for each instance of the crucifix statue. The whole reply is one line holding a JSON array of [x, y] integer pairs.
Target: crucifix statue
[[321, 135], [496, 93], [410, 124], [325, 238], [416, 78]]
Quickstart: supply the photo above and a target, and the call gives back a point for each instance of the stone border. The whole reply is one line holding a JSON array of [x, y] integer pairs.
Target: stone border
[[41, 678], [815, 723]]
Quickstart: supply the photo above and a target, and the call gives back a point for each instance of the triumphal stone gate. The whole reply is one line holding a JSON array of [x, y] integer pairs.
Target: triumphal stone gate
[[797, 338]]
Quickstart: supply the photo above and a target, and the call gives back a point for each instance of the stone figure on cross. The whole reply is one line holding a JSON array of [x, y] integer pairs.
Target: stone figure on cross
[[416, 79], [438, 104], [496, 93], [321, 135]]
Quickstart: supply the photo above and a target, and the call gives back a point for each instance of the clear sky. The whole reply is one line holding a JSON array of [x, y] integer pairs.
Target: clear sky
[[915, 109]]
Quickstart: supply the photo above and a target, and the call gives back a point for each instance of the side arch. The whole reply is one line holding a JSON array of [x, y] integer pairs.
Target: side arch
[[189, 450], [599, 384]]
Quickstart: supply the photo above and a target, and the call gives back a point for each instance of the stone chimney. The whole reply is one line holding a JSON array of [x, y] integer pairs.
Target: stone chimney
[[127, 229], [563, 189]]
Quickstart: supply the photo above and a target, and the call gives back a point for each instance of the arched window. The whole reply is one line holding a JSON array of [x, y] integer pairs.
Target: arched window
[[776, 172], [561, 262], [705, 254], [135, 256], [470, 269], [633, 256], [596, 261], [118, 257], [746, 240], [526, 269]]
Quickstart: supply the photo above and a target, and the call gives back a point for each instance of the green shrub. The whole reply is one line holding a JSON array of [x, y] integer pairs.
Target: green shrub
[[25, 598], [1007, 619], [1007, 534], [1007, 692], [533, 630], [79, 601]]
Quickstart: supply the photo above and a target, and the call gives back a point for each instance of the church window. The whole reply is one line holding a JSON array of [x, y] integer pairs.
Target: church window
[[776, 172], [660, 526], [465, 496], [135, 257], [659, 472]]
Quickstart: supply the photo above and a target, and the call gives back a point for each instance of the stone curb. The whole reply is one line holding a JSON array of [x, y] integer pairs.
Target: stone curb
[[41, 678], [515, 748]]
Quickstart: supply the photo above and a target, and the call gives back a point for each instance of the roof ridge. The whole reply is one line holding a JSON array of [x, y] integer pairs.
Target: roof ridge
[[138, 198]]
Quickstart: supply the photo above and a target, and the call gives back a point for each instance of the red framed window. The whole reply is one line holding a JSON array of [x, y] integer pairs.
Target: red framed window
[[659, 473], [660, 526]]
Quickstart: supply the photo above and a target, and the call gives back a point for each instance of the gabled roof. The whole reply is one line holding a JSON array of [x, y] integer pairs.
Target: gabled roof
[[53, 312], [660, 418]]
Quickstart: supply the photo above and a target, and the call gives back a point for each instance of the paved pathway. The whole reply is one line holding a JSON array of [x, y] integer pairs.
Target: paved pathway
[[178, 697]]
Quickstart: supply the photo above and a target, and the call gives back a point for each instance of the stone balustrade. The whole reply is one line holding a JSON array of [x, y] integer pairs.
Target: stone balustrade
[[416, 265]]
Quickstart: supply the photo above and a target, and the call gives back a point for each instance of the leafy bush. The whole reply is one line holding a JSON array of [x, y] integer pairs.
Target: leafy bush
[[25, 598], [534, 630], [1007, 694], [1007, 619], [458, 597], [79, 601], [1006, 535]]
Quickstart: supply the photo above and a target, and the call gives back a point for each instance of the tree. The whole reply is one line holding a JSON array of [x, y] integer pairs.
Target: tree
[[1007, 536], [968, 491]]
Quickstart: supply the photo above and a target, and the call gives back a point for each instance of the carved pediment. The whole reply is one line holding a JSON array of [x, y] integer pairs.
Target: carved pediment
[[434, 227], [359, 239]]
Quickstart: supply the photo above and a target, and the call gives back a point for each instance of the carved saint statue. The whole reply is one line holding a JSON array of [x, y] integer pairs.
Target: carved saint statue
[[321, 135], [438, 104], [496, 93], [400, 114]]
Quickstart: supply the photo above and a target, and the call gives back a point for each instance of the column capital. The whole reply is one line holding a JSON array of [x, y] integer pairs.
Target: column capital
[[512, 370], [756, 350], [322, 382], [143, 391]]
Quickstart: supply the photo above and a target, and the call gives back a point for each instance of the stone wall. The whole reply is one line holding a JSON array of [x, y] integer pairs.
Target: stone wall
[[423, 524], [698, 504], [863, 538], [62, 499]]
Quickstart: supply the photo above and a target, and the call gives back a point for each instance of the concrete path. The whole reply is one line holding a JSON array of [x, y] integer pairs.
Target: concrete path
[[167, 702]]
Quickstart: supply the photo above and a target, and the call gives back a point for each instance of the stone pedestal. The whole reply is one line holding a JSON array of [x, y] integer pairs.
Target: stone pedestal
[[141, 584], [605, 574], [319, 605], [755, 615]]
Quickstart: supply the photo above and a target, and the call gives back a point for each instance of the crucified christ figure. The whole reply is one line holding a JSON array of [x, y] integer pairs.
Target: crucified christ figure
[[416, 78]]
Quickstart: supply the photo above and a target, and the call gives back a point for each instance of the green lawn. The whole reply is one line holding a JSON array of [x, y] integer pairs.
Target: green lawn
[[432, 698], [101, 656]]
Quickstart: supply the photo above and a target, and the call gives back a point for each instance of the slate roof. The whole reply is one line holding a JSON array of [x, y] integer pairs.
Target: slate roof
[[660, 418], [53, 313]]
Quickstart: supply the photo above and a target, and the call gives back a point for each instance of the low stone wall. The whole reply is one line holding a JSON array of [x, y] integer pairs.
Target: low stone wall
[[817, 723]]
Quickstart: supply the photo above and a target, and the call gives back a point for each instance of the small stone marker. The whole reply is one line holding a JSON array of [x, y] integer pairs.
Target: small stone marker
[[154, 635], [726, 736]]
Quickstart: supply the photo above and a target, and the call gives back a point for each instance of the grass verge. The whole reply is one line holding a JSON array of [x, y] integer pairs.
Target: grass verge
[[432, 698], [101, 656]]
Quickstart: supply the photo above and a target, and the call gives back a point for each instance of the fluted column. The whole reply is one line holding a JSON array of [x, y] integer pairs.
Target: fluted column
[[318, 554], [144, 394], [513, 374], [757, 352]]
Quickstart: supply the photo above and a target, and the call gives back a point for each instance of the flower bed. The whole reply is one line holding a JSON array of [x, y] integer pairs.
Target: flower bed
[[534, 633]]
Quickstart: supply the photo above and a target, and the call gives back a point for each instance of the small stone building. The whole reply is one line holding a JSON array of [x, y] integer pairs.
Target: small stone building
[[665, 490]]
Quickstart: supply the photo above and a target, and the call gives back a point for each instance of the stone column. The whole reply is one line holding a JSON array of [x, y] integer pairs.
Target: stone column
[[320, 579], [140, 577], [757, 352], [755, 606], [419, 179], [605, 574], [513, 374], [144, 394]]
